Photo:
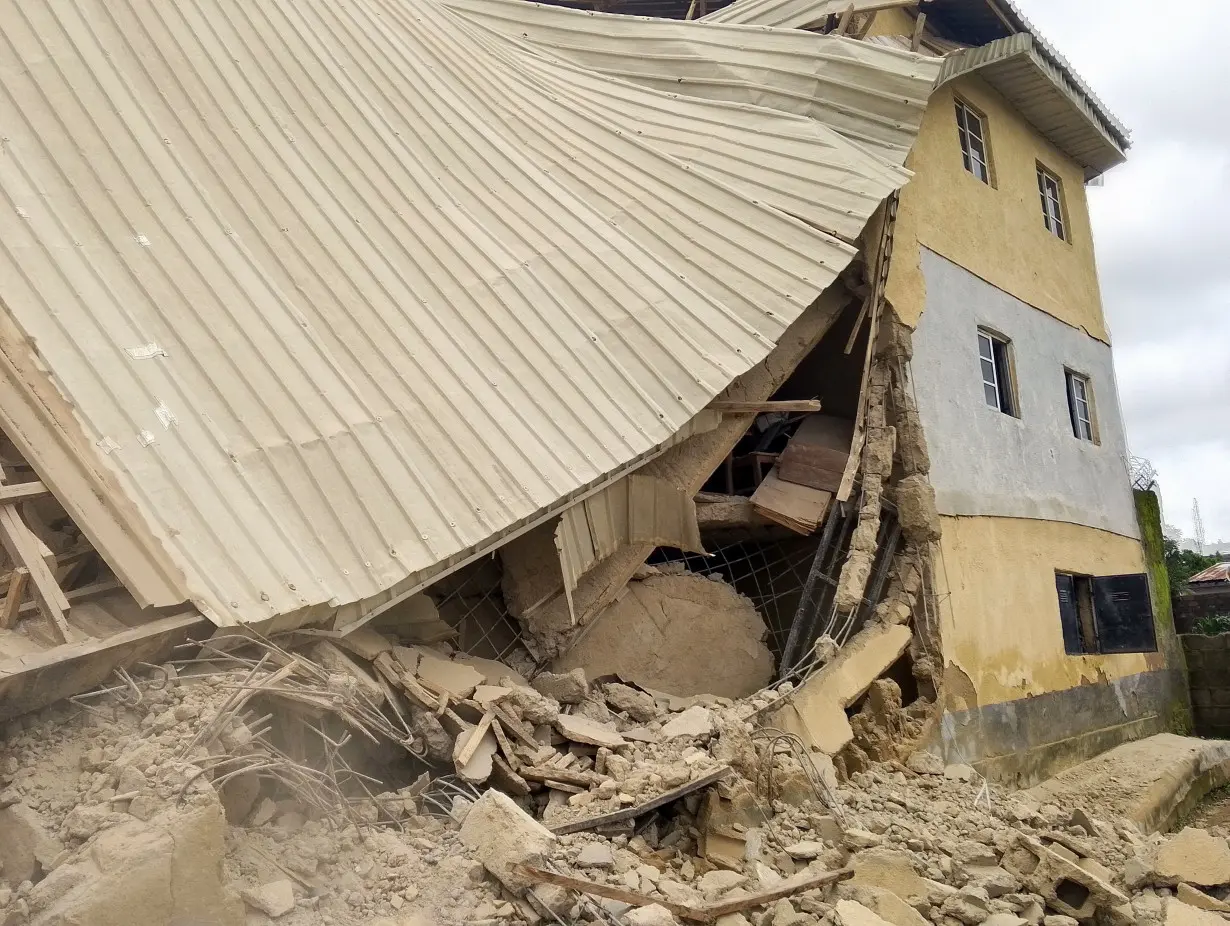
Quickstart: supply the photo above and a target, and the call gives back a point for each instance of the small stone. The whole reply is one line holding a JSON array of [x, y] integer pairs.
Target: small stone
[[805, 851], [1004, 919], [783, 913], [275, 899], [861, 839], [1059, 920], [970, 905], [717, 882], [264, 812]]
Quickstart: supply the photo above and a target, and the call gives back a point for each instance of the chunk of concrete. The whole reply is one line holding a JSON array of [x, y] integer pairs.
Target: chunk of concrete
[[653, 915], [456, 679], [581, 729], [565, 687], [477, 768], [503, 836], [853, 913], [806, 850], [717, 882], [1179, 913], [27, 845], [335, 661], [695, 721], [493, 671], [1196, 898], [533, 706], [489, 694], [816, 711], [1194, 856], [681, 634], [637, 704], [1067, 888], [275, 899]]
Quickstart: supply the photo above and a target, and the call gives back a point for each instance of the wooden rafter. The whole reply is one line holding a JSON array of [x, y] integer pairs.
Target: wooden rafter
[[29, 553]]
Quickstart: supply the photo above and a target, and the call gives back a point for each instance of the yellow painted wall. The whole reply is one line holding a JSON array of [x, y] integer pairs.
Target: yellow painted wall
[[995, 231], [999, 620]]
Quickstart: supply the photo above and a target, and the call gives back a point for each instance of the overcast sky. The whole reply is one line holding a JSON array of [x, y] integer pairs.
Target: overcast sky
[[1162, 224]]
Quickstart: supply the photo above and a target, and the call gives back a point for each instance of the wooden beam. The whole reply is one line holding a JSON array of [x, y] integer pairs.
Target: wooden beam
[[916, 39], [610, 892], [636, 810], [745, 408], [24, 551], [12, 600], [843, 24], [22, 491], [785, 889]]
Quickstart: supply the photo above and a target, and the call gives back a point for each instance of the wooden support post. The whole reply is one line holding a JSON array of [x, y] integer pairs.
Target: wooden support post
[[12, 600], [843, 24]]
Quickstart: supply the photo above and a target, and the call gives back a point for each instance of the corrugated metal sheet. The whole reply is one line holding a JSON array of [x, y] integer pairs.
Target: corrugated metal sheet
[[786, 14], [1041, 92], [1218, 572], [871, 95], [306, 301]]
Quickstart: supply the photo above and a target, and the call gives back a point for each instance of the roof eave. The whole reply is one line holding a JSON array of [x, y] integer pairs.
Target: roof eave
[[1039, 89]]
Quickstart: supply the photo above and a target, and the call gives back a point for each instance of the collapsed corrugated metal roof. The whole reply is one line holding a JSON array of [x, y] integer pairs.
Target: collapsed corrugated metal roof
[[306, 302]]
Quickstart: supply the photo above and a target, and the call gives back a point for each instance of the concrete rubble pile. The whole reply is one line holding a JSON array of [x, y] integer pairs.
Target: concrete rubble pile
[[183, 797]]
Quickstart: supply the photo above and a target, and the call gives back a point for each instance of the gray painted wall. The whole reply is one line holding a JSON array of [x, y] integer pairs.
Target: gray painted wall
[[987, 463]]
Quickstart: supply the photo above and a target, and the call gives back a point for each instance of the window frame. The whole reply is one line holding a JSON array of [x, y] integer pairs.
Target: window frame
[[1054, 215], [1086, 428], [965, 138], [1003, 372], [1105, 615]]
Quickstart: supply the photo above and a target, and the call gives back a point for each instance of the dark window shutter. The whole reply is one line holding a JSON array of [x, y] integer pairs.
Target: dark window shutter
[[1069, 617], [1124, 614]]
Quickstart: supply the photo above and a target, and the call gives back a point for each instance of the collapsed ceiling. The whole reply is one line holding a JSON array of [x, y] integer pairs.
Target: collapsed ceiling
[[305, 303]]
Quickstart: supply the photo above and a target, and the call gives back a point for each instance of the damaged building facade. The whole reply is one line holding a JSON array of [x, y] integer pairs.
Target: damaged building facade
[[289, 340]]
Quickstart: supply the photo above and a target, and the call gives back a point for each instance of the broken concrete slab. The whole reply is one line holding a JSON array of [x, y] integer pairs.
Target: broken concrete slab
[[489, 694], [1192, 855], [27, 845], [275, 899], [682, 634], [653, 915], [883, 903], [456, 679], [695, 721], [503, 836], [492, 670], [1179, 913], [815, 710], [532, 706], [581, 729], [595, 855], [852, 913], [478, 766], [892, 870]]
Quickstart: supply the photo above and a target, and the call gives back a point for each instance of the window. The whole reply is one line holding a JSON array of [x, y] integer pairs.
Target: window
[[973, 143], [1052, 203], [1105, 614], [996, 359], [1080, 405]]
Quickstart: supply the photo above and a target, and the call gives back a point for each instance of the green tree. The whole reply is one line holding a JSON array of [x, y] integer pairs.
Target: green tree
[[1181, 564]]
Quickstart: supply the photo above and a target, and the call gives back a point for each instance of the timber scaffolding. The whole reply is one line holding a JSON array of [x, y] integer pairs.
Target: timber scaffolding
[[147, 502]]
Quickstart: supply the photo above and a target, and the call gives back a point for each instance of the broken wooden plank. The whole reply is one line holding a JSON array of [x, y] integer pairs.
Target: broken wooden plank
[[467, 751], [756, 408], [23, 491], [506, 747], [12, 600], [843, 24], [800, 508], [636, 810], [785, 889], [610, 892], [514, 726], [817, 454]]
